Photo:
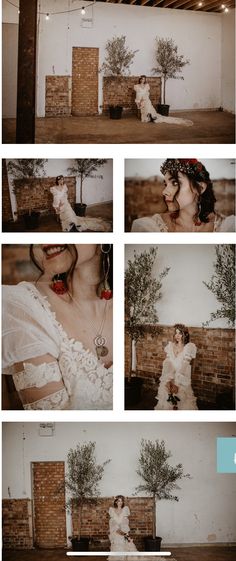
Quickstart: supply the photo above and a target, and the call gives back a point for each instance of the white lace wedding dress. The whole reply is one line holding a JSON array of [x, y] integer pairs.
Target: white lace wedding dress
[[30, 329], [156, 223], [144, 103], [68, 218], [177, 368], [119, 520]]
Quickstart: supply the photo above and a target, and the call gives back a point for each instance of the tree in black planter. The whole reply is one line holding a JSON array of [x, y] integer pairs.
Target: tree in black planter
[[169, 64], [222, 284], [116, 65], [84, 168], [27, 169], [82, 483], [159, 480], [142, 292]]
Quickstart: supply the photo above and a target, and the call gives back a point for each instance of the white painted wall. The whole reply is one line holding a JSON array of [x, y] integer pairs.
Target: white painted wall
[[228, 61], [207, 504], [96, 189], [185, 299], [197, 34]]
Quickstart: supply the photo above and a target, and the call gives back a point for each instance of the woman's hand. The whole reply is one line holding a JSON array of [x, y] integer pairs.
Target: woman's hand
[[171, 387]]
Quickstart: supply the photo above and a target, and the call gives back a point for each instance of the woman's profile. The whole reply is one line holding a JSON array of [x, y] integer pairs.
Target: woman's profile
[[68, 219], [148, 113], [57, 331], [190, 202], [175, 389]]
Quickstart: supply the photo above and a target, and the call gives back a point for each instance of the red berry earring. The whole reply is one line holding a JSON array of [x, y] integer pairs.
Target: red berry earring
[[104, 289], [59, 284]]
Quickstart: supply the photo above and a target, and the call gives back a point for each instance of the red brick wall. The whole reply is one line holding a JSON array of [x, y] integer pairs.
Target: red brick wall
[[85, 81], [38, 197], [6, 203], [143, 197], [58, 96], [122, 93], [95, 519], [49, 504], [214, 370], [17, 524]]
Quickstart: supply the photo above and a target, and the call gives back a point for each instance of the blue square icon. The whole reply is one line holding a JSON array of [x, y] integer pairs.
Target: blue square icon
[[226, 455]]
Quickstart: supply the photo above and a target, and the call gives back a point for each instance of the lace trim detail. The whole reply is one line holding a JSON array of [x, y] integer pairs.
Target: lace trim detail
[[57, 400], [36, 376], [162, 226], [97, 387]]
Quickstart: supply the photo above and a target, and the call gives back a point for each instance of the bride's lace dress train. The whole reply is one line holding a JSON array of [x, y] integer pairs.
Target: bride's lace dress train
[[68, 218], [119, 522], [145, 105]]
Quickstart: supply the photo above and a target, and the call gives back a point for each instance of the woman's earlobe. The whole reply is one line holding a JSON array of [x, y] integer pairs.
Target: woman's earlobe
[[203, 186]]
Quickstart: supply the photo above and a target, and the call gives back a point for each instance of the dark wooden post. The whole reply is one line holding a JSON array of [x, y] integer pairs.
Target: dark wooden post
[[26, 80]]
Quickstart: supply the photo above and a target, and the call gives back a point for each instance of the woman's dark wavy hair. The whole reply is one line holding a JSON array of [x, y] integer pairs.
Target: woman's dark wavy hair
[[206, 199], [58, 179], [67, 276], [116, 501], [184, 332], [140, 78]]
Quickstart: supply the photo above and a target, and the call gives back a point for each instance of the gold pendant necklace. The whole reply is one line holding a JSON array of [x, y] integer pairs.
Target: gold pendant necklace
[[99, 340]]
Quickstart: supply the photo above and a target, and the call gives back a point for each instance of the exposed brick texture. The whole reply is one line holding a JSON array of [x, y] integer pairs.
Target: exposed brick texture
[[6, 203], [58, 96], [17, 524], [214, 368], [37, 196], [143, 197], [49, 504], [95, 520], [85, 80], [117, 92]]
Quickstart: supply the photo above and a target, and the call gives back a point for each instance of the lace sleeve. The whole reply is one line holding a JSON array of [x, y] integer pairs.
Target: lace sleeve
[[190, 351], [41, 386]]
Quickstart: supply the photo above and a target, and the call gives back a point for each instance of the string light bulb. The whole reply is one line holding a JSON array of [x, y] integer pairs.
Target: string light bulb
[[83, 10], [223, 6], [226, 10], [47, 17], [199, 4]]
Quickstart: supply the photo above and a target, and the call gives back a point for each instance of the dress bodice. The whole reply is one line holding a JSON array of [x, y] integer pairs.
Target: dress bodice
[[142, 91], [30, 329], [59, 195], [156, 223]]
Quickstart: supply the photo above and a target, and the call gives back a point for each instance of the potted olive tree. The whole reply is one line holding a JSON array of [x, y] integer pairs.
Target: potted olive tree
[[222, 284], [82, 484], [169, 64], [159, 480], [142, 291], [118, 59], [84, 168], [24, 172]]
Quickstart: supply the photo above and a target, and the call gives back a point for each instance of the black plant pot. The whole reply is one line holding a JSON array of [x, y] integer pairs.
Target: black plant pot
[[31, 220], [115, 111], [80, 209], [163, 109], [152, 544], [133, 391], [81, 544]]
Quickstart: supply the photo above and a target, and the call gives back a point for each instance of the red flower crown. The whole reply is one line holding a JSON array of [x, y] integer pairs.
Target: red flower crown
[[189, 166]]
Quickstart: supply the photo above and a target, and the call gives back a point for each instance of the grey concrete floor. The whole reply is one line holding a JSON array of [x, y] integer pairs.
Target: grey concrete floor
[[210, 127]]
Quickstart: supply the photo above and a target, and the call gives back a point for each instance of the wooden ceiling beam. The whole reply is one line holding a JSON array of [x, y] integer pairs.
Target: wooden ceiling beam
[[144, 2]]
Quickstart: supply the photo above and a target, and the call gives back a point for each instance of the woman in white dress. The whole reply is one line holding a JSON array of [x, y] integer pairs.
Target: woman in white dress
[[190, 202], [119, 534], [148, 113], [57, 331], [175, 390], [69, 220]]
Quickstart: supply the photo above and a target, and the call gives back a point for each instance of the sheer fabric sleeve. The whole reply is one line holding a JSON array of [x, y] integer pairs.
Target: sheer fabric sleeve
[[228, 224], [144, 224], [41, 386], [126, 511], [113, 526], [27, 328], [190, 351], [168, 349]]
